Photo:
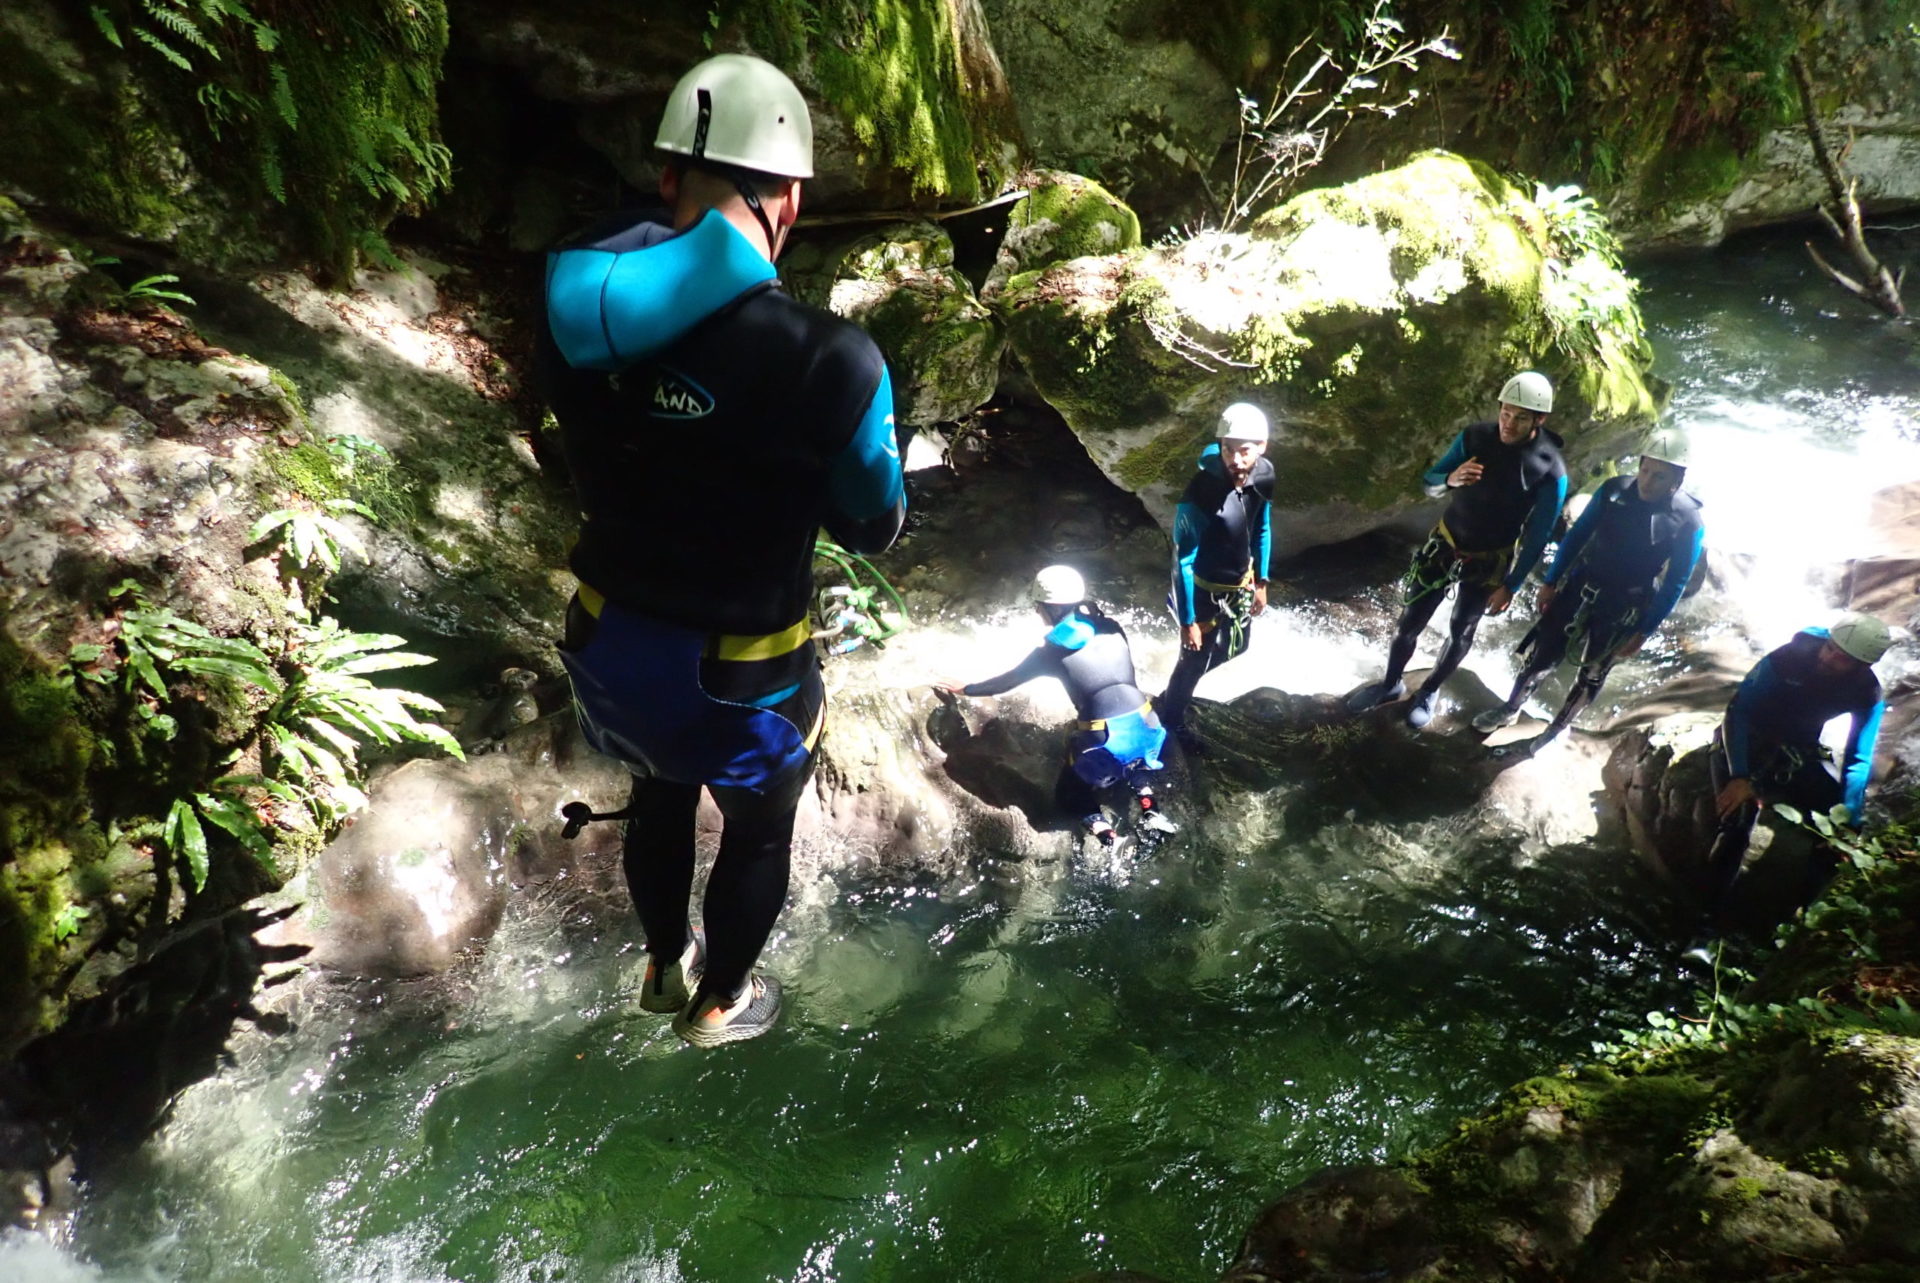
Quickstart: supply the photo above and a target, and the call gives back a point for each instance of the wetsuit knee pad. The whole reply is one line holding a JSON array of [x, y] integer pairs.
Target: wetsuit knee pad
[[639, 695]]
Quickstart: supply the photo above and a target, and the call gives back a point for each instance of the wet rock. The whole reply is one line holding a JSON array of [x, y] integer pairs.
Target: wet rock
[[1658, 776], [1063, 216], [899, 284], [1422, 286], [1345, 1223]]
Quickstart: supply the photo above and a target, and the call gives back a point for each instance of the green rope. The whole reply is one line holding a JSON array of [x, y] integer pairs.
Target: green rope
[[868, 623]]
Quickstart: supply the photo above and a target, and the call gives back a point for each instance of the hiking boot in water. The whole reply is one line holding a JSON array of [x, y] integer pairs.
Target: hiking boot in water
[[712, 1021], [1101, 831], [669, 988], [1495, 718], [1420, 711]]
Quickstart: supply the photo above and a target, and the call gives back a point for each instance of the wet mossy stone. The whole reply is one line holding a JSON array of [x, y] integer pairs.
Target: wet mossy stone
[[1062, 216], [1372, 321]]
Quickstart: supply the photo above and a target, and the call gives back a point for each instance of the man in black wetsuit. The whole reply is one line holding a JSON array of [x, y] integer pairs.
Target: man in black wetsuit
[[1222, 530], [711, 425], [1507, 483], [1119, 738], [1768, 748], [1619, 572]]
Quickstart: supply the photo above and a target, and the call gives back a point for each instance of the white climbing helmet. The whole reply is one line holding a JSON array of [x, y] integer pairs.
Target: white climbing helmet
[[1668, 447], [1058, 586], [1529, 391], [1861, 636], [739, 111], [1241, 421]]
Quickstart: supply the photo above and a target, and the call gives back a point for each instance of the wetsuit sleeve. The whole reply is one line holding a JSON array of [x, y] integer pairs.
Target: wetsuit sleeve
[[1038, 663], [1680, 562], [1547, 498], [1262, 542], [1857, 763], [1188, 523], [866, 490], [1576, 540], [1436, 476], [1756, 687]]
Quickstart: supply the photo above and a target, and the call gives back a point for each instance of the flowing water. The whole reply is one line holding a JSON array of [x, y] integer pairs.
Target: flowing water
[[1051, 1067]]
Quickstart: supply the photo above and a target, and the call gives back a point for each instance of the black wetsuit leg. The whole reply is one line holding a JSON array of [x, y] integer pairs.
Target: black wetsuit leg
[[657, 857], [1799, 779], [1187, 672], [1469, 604], [1413, 622], [1073, 795], [748, 885]]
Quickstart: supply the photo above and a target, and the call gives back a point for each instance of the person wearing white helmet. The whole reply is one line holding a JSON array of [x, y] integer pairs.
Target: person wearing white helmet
[[1507, 482], [1118, 739], [1768, 747], [1222, 534], [1618, 573], [711, 425]]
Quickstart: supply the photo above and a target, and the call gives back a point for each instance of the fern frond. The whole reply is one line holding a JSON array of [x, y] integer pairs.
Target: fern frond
[[185, 28], [105, 23], [162, 48]]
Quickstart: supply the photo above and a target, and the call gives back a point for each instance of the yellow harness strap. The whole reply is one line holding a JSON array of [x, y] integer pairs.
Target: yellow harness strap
[[1101, 724], [729, 646], [1246, 581]]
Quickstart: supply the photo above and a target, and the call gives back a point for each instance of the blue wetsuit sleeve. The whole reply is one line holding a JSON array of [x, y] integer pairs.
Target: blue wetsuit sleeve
[[1038, 663], [1857, 763], [1756, 687], [1436, 476], [866, 490], [1188, 522], [1547, 499], [1262, 542], [1680, 562], [1576, 540]]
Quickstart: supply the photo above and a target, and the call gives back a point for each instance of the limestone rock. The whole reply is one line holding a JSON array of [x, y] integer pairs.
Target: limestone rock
[[1062, 216], [1658, 776], [1372, 320], [898, 282]]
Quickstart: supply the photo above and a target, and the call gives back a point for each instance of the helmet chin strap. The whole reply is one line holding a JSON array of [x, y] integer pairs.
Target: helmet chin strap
[[702, 121]]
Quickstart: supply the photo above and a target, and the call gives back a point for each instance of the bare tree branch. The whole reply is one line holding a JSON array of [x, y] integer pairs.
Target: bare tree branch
[[1841, 211]]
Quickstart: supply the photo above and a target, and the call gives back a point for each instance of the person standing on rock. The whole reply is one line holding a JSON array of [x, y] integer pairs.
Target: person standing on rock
[[1508, 483], [1619, 572], [1768, 748], [1222, 533], [712, 425], [1118, 739]]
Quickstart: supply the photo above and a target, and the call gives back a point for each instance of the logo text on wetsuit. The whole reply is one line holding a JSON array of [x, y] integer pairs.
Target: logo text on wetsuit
[[675, 396]]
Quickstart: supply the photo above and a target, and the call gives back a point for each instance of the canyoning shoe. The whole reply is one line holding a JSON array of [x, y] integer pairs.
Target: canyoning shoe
[[1103, 833], [1420, 711], [711, 1021], [1495, 718], [1155, 822], [669, 988], [1374, 694]]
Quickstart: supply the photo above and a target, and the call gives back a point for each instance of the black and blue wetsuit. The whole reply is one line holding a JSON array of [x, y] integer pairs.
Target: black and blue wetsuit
[[1619, 573], [1118, 738], [711, 425], [1770, 737], [1222, 535], [1491, 535]]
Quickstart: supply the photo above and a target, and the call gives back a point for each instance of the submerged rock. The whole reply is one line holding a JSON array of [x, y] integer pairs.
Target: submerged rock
[[1373, 320]]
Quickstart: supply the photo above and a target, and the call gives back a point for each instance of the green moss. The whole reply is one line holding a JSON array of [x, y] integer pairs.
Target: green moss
[[1084, 218], [897, 72], [309, 471]]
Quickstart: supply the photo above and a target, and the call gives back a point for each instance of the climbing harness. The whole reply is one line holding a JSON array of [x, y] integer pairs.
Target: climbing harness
[[856, 613]]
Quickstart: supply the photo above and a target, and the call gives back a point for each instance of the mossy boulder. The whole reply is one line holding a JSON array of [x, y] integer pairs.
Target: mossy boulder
[[1371, 320], [1062, 216], [899, 283]]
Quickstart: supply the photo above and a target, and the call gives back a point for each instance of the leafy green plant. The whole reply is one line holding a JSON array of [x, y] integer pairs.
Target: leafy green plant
[[154, 638], [350, 450], [66, 923], [148, 287], [312, 538]]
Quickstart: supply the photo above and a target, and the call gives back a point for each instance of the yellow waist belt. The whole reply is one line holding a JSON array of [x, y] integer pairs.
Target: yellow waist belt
[[1454, 544], [1101, 724], [1246, 581], [729, 646]]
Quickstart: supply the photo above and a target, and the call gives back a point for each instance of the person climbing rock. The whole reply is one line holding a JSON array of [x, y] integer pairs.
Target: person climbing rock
[[1119, 737], [1222, 531], [711, 425], [1507, 482], [1618, 574], [1767, 748]]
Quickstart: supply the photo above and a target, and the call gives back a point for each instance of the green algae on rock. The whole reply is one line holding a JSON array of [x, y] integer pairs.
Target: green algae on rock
[[1372, 320]]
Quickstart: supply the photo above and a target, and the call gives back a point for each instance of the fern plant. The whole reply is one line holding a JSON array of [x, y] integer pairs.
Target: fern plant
[[312, 538]]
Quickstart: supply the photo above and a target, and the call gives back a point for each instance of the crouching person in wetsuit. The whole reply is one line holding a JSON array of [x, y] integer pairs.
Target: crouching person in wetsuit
[[1619, 573], [1222, 530], [1768, 746], [1119, 738], [1507, 483], [711, 425]]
